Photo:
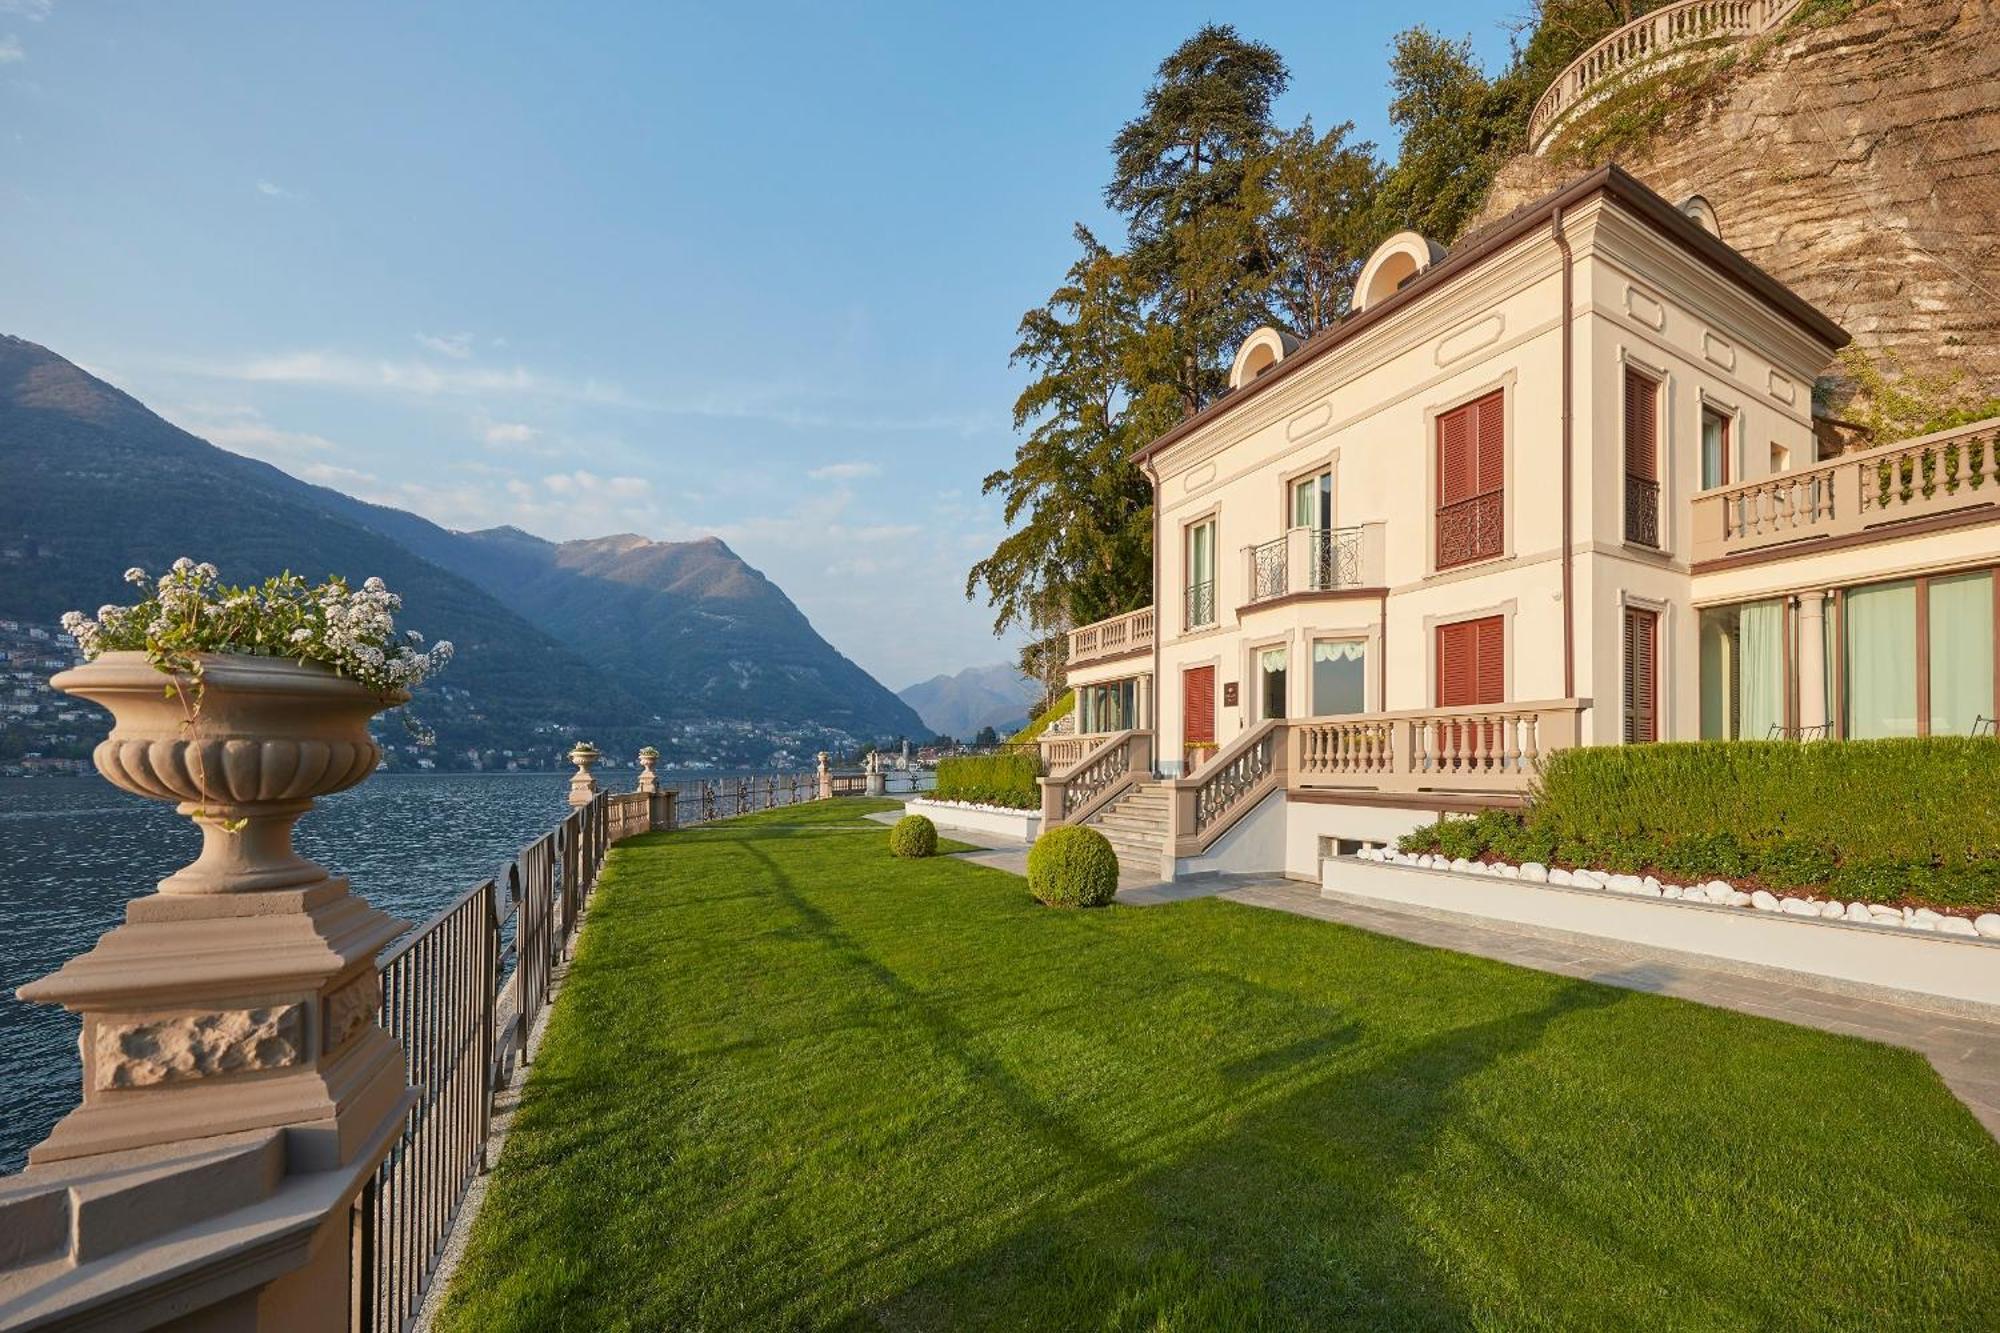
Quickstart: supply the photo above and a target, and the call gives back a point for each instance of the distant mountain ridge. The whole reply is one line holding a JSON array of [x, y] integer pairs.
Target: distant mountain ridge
[[628, 641], [959, 705]]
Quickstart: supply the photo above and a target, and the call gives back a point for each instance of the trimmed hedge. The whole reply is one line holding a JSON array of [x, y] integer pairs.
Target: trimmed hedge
[[913, 837], [1072, 866], [991, 779], [1877, 820]]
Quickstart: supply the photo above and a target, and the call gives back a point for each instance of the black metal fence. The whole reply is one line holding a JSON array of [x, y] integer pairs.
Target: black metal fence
[[461, 1030], [463, 992]]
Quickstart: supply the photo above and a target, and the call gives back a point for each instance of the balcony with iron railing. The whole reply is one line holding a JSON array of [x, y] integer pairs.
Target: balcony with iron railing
[[1313, 560], [1874, 491]]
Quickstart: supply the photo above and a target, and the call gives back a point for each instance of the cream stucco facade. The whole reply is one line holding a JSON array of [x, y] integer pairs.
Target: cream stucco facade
[[1312, 563]]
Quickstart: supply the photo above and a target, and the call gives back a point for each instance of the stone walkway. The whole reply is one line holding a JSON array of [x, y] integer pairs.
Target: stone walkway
[[1964, 1051]]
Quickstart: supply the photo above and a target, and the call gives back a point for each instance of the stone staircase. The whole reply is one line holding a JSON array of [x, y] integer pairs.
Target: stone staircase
[[1136, 826]]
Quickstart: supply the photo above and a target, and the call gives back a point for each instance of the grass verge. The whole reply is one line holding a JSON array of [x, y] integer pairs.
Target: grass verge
[[795, 1082]]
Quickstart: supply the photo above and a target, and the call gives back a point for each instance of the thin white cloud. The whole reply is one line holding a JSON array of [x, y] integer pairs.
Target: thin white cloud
[[500, 433], [849, 471], [11, 52], [32, 10], [337, 370], [243, 430], [457, 346], [340, 478], [272, 190], [581, 483]]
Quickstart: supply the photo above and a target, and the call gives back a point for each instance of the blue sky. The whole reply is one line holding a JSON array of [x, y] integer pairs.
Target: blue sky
[[751, 270]]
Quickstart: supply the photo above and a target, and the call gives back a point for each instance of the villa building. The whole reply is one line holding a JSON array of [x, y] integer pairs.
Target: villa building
[[1562, 485]]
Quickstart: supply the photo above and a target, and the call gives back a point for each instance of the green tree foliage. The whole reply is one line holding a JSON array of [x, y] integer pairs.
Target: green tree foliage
[[1316, 194], [1079, 514], [1454, 136], [1231, 222], [1184, 176]]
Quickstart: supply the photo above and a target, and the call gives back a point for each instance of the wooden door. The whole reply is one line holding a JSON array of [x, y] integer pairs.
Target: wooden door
[[1197, 713]]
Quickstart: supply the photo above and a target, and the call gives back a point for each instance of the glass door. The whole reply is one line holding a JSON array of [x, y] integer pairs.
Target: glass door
[[1271, 681], [1312, 502]]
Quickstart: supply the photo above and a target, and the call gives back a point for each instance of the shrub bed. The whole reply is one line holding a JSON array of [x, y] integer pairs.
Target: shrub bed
[[1072, 866], [913, 837], [991, 779], [1914, 820]]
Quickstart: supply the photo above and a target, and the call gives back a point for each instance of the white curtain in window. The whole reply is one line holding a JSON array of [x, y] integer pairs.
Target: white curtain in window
[[1760, 669], [1881, 660], [1961, 631], [1339, 677]]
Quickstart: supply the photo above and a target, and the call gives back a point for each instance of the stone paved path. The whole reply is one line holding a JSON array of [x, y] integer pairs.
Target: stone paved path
[[1964, 1051]]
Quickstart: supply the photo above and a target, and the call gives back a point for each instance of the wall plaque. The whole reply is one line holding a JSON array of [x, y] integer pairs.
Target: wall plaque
[[1229, 694]]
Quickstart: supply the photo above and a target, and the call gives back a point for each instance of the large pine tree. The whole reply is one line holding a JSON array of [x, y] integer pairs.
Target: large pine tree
[[1183, 176]]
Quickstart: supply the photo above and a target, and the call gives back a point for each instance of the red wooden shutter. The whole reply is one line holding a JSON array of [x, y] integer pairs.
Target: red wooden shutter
[[1492, 430], [1198, 705], [1491, 647], [1642, 676], [1457, 466], [1472, 663], [1642, 436]]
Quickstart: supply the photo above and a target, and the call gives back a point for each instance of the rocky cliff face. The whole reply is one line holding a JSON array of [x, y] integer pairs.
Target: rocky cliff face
[[1858, 161]]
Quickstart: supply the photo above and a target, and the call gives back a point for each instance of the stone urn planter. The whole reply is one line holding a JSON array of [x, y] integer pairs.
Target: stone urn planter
[[649, 781], [244, 993], [244, 753], [583, 786]]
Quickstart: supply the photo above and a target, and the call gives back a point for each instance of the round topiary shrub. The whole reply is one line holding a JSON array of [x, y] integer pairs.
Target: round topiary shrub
[[913, 836], [1072, 866]]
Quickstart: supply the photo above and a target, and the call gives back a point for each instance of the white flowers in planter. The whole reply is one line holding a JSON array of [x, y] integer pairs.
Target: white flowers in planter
[[189, 612], [1714, 893]]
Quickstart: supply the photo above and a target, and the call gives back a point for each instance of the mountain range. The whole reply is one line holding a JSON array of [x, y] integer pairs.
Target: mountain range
[[991, 696], [619, 639]]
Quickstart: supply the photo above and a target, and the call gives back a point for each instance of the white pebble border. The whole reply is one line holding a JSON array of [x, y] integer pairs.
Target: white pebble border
[[1715, 893], [927, 799]]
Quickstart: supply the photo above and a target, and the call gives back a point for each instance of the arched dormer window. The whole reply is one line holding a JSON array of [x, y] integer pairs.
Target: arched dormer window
[[1395, 261], [1260, 352], [1703, 214]]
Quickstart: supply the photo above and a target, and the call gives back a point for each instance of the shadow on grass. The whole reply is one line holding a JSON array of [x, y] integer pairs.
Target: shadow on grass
[[1298, 1213], [1287, 1207]]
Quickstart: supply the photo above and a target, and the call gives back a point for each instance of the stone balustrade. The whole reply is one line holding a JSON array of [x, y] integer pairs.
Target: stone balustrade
[[1129, 633], [1650, 41], [1485, 750], [1869, 491]]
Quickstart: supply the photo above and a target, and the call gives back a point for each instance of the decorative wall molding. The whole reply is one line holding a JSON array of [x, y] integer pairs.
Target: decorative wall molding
[[153, 1051]]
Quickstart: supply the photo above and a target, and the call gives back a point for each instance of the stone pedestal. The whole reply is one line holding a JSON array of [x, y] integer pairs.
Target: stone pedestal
[[825, 778], [243, 994], [649, 781], [231, 1054], [877, 781], [583, 786]]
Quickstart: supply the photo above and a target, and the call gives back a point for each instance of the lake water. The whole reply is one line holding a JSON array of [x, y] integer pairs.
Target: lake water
[[73, 850]]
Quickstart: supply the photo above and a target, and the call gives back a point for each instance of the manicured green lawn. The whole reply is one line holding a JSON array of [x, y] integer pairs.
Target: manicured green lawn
[[793, 1082]]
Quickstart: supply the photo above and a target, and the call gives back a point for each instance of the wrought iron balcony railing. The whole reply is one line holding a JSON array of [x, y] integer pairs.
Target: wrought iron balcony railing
[[1201, 604], [1306, 560], [1642, 511]]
